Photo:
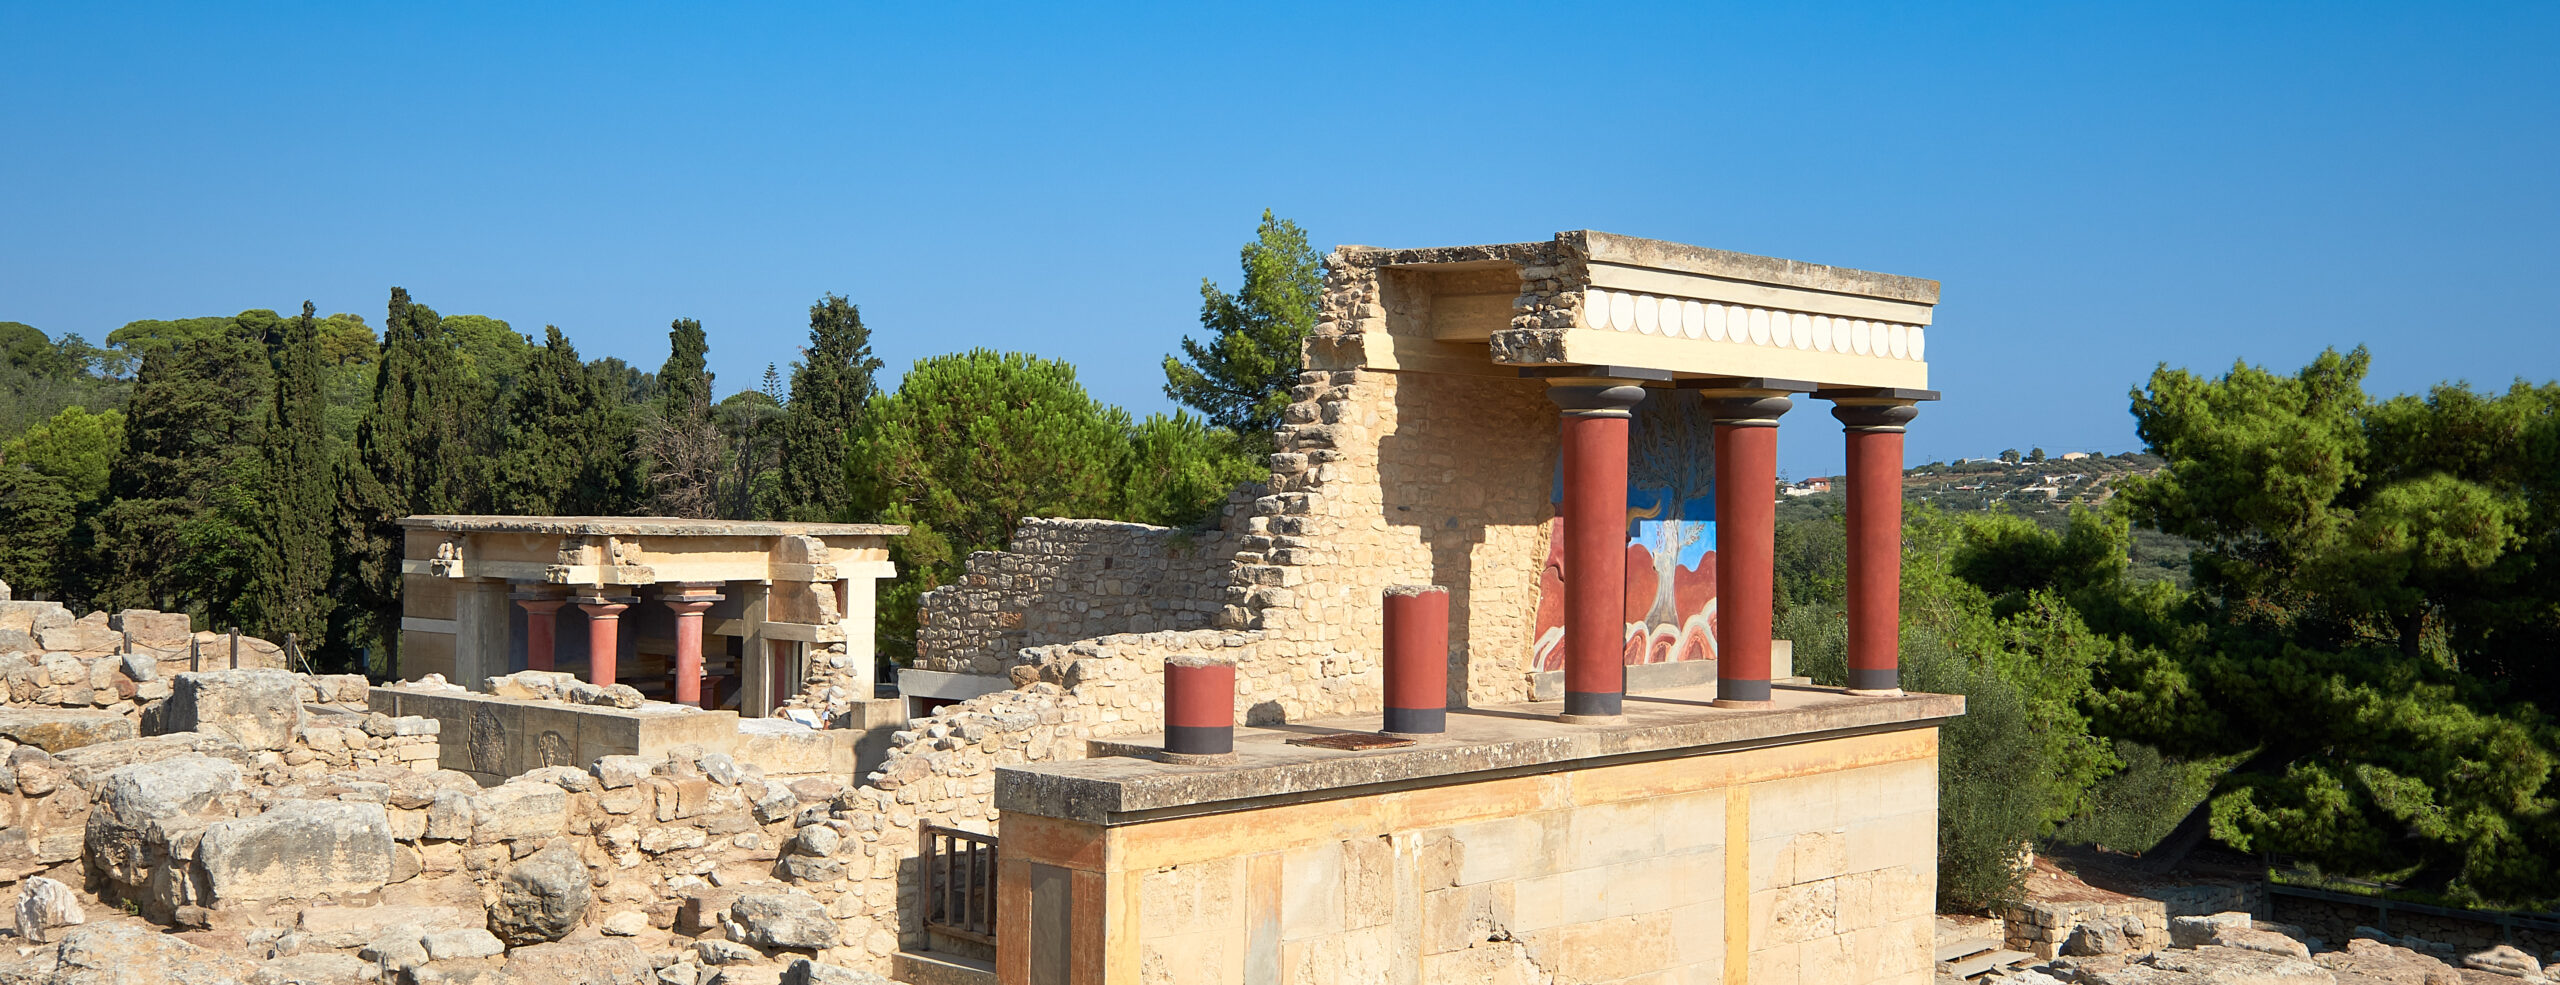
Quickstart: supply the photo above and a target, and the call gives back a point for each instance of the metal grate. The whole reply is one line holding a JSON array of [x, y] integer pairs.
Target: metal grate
[[1353, 741], [959, 883]]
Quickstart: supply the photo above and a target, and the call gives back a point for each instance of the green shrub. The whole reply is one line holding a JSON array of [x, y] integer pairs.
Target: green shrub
[[2132, 810]]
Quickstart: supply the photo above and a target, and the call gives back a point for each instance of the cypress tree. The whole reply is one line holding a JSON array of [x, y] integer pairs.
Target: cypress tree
[[567, 446], [418, 452], [184, 533], [431, 423], [683, 447], [829, 390], [300, 490]]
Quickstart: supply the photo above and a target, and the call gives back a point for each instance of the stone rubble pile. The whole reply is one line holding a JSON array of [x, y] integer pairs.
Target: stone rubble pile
[[2233, 949]]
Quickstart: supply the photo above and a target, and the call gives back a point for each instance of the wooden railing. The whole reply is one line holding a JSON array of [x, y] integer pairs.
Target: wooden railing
[[957, 876]]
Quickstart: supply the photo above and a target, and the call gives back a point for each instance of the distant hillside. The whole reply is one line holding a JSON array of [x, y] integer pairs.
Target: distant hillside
[[2044, 491]]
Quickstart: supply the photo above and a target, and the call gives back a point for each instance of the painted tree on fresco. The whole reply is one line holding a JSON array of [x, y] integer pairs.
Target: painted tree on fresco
[[1670, 452]]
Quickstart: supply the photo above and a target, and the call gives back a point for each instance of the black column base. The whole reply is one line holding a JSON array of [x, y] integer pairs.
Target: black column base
[[1200, 740], [1735, 690], [1417, 721], [1875, 678], [1594, 704]]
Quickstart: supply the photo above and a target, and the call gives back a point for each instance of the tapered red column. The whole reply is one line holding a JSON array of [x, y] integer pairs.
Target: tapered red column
[[1417, 664], [1874, 435], [604, 636], [689, 607], [1746, 541], [541, 628], [1595, 546]]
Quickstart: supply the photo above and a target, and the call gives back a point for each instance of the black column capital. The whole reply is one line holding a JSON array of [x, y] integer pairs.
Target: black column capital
[[1597, 399], [1875, 417], [1749, 411]]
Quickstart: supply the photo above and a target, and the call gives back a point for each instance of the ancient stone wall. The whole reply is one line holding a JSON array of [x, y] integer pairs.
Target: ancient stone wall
[[1065, 580]]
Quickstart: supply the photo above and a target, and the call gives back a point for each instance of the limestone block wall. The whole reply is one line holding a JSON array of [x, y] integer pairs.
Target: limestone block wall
[[1809, 863], [1065, 580]]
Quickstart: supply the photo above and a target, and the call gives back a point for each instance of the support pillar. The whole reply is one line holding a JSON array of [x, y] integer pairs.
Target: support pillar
[[1595, 545], [1417, 665], [541, 626], [1746, 425], [604, 635], [689, 603], [1874, 428]]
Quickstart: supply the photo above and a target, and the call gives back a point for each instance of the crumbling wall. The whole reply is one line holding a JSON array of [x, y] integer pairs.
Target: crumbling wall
[[1066, 579]]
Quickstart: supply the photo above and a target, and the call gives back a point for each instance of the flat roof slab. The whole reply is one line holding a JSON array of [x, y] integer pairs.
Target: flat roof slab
[[644, 526], [1126, 784]]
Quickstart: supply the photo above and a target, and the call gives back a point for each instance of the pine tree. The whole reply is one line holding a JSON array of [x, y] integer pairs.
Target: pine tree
[[1240, 377], [829, 389], [773, 386], [684, 449], [971, 443], [300, 494], [566, 445]]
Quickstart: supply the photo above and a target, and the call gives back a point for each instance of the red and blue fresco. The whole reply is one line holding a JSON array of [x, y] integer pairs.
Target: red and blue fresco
[[1671, 539]]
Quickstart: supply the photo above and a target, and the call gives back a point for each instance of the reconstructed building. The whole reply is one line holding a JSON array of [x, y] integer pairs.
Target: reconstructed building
[[1576, 439], [713, 613]]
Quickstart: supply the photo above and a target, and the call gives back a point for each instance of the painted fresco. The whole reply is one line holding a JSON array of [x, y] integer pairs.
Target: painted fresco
[[1671, 537]]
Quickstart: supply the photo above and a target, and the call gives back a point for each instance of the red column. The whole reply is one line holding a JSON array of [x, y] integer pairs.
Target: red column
[[541, 630], [604, 638], [1417, 665], [1199, 708], [689, 608], [1595, 546], [1875, 542], [1746, 542]]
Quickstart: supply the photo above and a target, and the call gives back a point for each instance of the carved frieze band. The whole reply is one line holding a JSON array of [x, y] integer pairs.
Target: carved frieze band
[[1711, 321]]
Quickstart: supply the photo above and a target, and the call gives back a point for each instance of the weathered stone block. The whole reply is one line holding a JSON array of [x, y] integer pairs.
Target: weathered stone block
[[45, 908], [56, 730], [542, 898], [519, 809], [781, 920], [298, 849], [259, 709]]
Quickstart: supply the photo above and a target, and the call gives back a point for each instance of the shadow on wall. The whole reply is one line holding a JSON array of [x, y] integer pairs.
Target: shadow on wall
[[1469, 465]]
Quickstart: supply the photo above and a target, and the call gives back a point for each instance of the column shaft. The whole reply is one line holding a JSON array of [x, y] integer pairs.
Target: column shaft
[[1874, 436], [541, 631], [604, 640], [1595, 547], [1746, 543], [689, 649]]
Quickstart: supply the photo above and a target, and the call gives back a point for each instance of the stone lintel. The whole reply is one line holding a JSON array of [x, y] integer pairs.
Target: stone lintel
[[1876, 394], [643, 526], [1119, 788], [1609, 374], [1741, 385]]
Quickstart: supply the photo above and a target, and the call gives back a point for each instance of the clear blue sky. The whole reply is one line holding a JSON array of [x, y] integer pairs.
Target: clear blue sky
[[2101, 188]]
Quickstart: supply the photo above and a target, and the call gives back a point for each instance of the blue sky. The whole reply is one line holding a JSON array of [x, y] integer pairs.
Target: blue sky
[[2101, 187]]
